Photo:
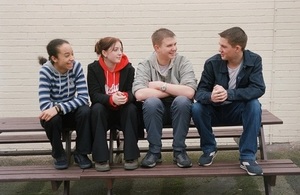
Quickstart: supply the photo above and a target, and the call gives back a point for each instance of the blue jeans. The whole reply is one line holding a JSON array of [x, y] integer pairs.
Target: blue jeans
[[157, 112], [243, 113]]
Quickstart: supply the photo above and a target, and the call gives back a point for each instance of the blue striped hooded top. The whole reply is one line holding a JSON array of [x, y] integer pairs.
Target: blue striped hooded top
[[69, 90]]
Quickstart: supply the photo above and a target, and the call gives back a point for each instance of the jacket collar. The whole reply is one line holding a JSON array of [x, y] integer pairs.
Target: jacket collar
[[247, 61]]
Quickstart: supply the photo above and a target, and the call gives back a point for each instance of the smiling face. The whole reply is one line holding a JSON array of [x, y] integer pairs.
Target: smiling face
[[65, 58], [166, 51], [113, 55]]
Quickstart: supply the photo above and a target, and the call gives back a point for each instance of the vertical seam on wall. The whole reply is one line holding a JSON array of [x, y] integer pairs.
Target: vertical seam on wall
[[273, 56], [272, 70]]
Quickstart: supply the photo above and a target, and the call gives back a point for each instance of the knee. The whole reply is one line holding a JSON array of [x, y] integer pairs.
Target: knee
[[196, 108], [97, 109], [182, 103], [182, 100], [55, 120], [254, 106], [130, 108], [84, 110], [152, 103]]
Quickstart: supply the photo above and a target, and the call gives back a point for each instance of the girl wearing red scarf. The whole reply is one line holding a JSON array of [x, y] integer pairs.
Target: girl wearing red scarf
[[110, 88]]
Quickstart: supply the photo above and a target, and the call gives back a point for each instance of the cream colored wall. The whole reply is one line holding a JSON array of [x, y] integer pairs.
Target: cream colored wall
[[273, 28]]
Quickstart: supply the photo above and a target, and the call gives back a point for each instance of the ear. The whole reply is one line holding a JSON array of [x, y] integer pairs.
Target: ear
[[54, 59], [104, 53], [238, 48], [156, 47]]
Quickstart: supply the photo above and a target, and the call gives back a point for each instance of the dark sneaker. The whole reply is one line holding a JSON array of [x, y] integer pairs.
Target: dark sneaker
[[151, 159], [131, 164], [83, 161], [61, 162], [102, 166], [207, 158], [251, 167], [182, 160]]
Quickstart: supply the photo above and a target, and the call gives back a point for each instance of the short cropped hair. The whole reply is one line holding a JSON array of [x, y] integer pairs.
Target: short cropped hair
[[235, 36], [160, 34]]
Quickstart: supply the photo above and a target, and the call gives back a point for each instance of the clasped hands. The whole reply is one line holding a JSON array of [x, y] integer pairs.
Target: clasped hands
[[119, 98], [219, 94]]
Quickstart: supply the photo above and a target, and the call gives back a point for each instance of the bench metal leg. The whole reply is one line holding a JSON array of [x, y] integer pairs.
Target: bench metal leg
[[55, 185], [67, 137], [111, 146], [114, 136], [118, 156], [262, 144], [109, 186], [269, 181], [66, 187]]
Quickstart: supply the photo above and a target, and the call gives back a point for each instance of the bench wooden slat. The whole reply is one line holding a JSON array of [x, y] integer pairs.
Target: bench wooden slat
[[216, 169], [41, 137], [115, 150], [40, 177], [26, 138], [190, 148], [38, 173], [19, 124], [193, 133], [24, 152], [269, 119]]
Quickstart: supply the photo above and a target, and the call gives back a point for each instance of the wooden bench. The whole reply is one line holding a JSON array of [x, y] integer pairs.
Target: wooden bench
[[21, 130], [271, 168], [41, 173], [220, 132]]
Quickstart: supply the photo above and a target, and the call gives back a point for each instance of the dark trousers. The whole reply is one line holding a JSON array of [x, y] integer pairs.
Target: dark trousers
[[103, 118], [78, 120]]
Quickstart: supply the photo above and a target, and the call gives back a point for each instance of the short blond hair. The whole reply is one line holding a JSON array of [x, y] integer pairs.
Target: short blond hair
[[160, 34]]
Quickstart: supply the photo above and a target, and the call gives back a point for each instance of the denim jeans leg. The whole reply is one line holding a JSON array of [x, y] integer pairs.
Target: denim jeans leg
[[251, 117], [153, 111], [202, 117], [181, 117]]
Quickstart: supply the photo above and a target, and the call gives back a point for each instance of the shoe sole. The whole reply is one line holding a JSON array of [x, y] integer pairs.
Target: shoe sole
[[206, 165], [182, 166], [151, 165], [249, 173], [103, 170], [130, 167], [60, 167], [86, 166]]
